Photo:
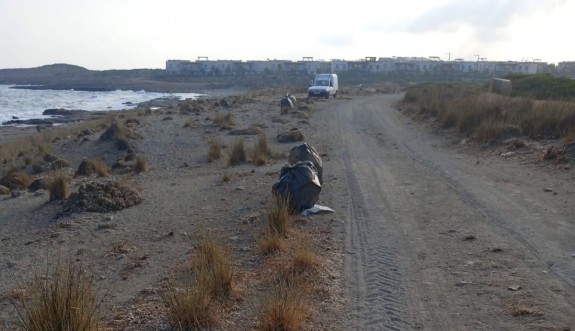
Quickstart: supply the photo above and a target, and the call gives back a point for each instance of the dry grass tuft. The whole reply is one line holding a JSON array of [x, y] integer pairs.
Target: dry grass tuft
[[285, 309], [141, 164], [224, 121], [226, 177], [59, 187], [522, 310], [278, 216], [261, 151], [212, 265], [89, 167], [190, 123], [62, 299], [237, 154], [304, 257], [16, 180], [270, 243], [189, 304], [189, 298], [214, 150]]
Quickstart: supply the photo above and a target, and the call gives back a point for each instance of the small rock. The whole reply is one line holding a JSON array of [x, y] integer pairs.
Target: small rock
[[548, 189], [240, 188], [233, 238], [514, 287]]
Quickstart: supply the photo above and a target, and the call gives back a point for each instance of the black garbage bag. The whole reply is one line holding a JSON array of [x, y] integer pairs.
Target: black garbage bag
[[305, 152], [298, 182]]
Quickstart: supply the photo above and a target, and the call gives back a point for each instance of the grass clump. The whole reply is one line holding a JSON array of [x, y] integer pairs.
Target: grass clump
[[237, 154], [214, 150], [141, 164], [278, 215], [226, 177], [90, 167], [261, 151], [62, 299], [189, 304], [304, 254], [59, 187], [190, 297], [225, 122], [270, 243], [16, 180], [285, 309]]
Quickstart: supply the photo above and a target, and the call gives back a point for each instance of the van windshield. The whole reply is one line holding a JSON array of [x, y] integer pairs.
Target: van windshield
[[321, 82]]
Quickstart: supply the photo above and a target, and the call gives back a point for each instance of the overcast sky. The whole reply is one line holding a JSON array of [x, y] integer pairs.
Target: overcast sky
[[128, 34]]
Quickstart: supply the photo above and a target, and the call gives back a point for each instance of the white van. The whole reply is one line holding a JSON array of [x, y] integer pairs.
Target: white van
[[323, 85]]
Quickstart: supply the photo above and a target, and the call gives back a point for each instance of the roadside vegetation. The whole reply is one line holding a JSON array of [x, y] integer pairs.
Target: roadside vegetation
[[543, 87], [488, 117]]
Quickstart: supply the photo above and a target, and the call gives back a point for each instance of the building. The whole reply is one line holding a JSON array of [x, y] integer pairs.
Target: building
[[382, 65]]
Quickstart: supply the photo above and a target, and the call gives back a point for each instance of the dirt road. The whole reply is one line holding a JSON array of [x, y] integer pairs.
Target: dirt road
[[439, 238]]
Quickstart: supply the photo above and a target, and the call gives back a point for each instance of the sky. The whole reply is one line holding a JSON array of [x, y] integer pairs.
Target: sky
[[131, 34]]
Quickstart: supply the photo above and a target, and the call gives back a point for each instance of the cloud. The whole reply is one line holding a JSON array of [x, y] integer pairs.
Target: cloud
[[340, 40], [487, 18]]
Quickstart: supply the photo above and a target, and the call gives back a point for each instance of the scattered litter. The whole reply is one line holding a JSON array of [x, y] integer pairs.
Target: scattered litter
[[548, 189], [317, 209], [300, 183]]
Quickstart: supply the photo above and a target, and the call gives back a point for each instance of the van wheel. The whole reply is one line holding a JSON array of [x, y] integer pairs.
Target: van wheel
[[335, 95]]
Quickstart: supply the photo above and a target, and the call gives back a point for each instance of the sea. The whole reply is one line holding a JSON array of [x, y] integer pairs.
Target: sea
[[28, 103]]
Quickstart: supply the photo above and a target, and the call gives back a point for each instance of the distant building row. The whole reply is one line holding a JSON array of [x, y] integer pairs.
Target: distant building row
[[203, 66]]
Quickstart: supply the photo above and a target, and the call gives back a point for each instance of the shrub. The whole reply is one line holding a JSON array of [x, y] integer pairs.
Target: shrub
[[237, 154], [62, 299]]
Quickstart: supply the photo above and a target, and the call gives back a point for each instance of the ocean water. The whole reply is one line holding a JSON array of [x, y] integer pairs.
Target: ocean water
[[27, 104]]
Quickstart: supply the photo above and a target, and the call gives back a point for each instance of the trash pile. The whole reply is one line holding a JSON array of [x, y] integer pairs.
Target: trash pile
[[301, 179]]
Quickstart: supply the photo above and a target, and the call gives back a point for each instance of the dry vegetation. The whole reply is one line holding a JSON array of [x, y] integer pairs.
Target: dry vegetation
[[261, 151], [489, 117], [214, 149], [237, 154], [62, 298], [192, 294]]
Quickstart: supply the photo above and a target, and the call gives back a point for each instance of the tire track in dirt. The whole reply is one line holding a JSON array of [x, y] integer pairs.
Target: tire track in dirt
[[375, 272]]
